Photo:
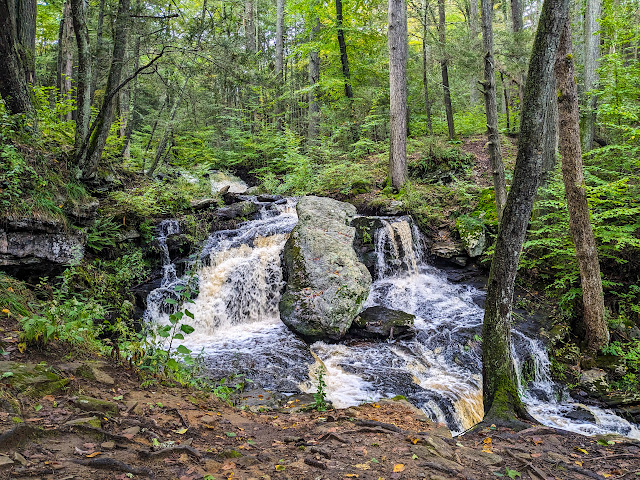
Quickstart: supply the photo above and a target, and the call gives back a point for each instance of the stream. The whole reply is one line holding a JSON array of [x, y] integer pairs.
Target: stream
[[238, 331]]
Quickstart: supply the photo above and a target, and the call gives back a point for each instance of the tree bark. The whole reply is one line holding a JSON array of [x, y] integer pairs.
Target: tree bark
[[26, 13], [314, 78], [249, 27], [473, 42], [398, 51], [97, 56], [133, 96], [344, 59], [591, 56], [13, 84], [516, 16], [279, 61], [91, 151], [83, 84], [597, 333], [491, 108], [65, 55], [425, 80], [550, 135], [502, 403], [444, 67]]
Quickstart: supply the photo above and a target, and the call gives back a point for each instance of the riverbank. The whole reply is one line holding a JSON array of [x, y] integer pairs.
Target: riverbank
[[89, 417]]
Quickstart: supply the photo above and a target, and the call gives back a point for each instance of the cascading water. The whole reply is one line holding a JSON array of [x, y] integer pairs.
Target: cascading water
[[238, 330]]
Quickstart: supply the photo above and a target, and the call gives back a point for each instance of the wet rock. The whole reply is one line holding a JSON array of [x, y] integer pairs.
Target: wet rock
[[269, 198], [240, 209], [394, 207], [327, 283], [582, 414], [32, 380], [90, 404], [364, 242], [382, 323], [91, 421], [592, 376], [473, 235], [449, 249]]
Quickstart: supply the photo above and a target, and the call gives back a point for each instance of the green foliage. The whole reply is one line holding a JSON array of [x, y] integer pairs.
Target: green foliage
[[440, 162], [103, 234]]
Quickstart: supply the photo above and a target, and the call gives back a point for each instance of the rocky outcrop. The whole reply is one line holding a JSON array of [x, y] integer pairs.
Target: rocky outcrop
[[40, 246], [240, 209], [473, 235], [327, 283], [381, 323]]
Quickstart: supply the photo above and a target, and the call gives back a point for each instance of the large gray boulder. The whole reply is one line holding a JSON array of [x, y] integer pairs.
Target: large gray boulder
[[327, 284]]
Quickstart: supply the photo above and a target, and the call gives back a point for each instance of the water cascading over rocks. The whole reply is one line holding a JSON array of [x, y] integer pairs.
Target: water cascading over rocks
[[327, 283]]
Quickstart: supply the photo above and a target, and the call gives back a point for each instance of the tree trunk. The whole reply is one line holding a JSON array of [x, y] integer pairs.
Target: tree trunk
[[279, 61], [13, 84], [133, 96], [550, 135], [591, 56], [444, 62], [83, 84], [516, 16], [249, 27], [26, 13], [473, 42], [597, 333], [502, 403], [491, 107], [398, 50], [97, 56], [91, 151], [425, 82], [344, 59], [65, 55], [314, 78]]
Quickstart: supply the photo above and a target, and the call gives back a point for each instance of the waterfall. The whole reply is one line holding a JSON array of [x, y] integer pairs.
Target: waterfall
[[238, 330]]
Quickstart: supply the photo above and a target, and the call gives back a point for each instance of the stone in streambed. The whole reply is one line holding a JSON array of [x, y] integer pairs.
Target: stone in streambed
[[381, 323], [327, 283]]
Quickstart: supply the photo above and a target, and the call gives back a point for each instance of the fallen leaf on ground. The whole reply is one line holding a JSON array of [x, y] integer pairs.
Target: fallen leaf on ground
[[398, 467], [94, 454]]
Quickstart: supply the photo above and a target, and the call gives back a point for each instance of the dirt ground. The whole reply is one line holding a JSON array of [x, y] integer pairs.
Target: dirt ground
[[104, 425]]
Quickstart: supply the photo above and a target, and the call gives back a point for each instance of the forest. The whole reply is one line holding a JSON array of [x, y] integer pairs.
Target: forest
[[177, 181]]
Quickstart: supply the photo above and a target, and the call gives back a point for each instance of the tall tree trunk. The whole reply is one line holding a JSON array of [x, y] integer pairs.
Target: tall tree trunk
[[13, 84], [314, 78], [97, 55], [133, 96], [83, 84], [249, 27], [550, 135], [516, 16], [591, 56], [26, 13], [425, 80], [473, 37], [65, 54], [344, 59], [91, 151], [398, 51], [279, 61], [597, 333], [516, 27], [502, 403], [491, 108], [444, 67], [505, 90]]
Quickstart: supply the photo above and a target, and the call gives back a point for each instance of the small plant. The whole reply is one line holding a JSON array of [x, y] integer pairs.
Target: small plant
[[103, 234], [320, 396]]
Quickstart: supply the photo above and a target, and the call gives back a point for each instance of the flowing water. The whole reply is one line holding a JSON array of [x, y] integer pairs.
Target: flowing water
[[238, 330]]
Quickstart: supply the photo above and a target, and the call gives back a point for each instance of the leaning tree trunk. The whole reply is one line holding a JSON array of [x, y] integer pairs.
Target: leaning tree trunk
[[502, 403], [13, 84], [597, 333], [591, 55], [444, 67], [342, 44], [91, 151], [83, 84], [491, 107], [65, 55], [398, 48]]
